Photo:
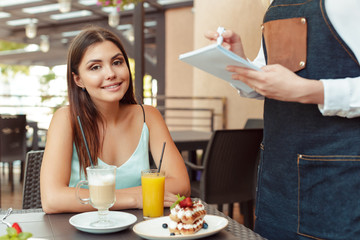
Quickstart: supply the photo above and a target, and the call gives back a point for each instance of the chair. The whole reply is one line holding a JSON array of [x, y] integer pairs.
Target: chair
[[229, 170], [13, 142], [31, 188], [35, 135]]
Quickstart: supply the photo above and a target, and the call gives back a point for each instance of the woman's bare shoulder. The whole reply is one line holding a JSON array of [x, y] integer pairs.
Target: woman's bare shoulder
[[63, 110], [61, 117], [61, 113], [153, 116], [152, 111]]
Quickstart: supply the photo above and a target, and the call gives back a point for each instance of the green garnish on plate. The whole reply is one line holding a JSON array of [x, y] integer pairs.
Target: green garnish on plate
[[177, 201], [12, 234]]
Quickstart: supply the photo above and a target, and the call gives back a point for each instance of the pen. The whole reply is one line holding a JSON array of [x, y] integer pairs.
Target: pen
[[220, 39]]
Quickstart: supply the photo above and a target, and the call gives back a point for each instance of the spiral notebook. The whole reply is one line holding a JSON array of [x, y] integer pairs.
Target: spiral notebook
[[214, 59]]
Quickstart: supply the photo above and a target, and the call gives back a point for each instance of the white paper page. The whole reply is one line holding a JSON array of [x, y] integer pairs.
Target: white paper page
[[214, 59]]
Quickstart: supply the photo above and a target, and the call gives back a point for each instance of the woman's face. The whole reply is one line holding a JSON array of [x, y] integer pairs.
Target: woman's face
[[103, 72]]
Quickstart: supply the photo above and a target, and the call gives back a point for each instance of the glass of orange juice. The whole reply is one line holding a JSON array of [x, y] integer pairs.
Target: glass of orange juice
[[153, 184]]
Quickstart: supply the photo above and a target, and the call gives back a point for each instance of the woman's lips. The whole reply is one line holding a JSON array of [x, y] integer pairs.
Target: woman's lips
[[112, 86]]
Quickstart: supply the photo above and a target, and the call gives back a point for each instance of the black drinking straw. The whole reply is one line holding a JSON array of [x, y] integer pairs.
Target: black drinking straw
[[86, 145], [161, 158]]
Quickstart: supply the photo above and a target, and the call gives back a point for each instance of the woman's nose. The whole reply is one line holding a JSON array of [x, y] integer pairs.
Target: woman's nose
[[110, 73]]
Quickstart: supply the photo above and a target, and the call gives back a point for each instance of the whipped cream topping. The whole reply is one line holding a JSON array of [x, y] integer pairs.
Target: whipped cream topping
[[180, 225], [172, 224], [188, 211]]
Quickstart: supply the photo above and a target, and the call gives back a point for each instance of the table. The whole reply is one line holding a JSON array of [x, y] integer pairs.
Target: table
[[190, 140], [57, 226]]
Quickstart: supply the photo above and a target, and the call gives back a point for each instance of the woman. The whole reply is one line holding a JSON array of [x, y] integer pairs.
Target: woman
[[118, 131], [309, 171]]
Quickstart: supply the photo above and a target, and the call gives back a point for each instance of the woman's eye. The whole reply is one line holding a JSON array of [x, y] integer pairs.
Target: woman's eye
[[95, 67], [118, 62]]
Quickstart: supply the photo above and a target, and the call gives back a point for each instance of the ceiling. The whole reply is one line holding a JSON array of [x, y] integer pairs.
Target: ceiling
[[60, 28]]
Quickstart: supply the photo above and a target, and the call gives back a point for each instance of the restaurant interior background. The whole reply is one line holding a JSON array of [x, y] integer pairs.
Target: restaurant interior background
[[185, 23]]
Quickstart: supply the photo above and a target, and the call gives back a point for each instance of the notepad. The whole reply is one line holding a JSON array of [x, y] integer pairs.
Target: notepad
[[214, 59]]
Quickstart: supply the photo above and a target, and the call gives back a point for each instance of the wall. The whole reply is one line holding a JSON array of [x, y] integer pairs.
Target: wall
[[245, 18], [179, 39], [185, 30]]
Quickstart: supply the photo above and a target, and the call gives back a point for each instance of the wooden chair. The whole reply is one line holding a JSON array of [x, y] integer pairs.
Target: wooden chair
[[229, 170], [31, 188], [13, 142]]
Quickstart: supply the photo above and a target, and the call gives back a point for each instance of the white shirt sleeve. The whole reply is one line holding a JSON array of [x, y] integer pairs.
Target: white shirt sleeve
[[342, 96]]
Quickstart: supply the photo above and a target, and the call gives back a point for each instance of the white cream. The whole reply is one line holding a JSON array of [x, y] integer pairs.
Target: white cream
[[101, 180], [172, 224], [180, 225], [187, 212], [180, 213]]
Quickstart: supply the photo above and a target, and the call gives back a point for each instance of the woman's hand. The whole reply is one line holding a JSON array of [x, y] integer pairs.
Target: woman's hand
[[169, 199], [232, 41], [277, 82]]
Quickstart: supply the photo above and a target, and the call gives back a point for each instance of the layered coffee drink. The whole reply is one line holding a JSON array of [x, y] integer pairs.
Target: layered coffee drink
[[101, 183], [102, 192]]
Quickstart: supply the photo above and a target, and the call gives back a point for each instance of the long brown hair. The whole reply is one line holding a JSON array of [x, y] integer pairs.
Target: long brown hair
[[80, 101]]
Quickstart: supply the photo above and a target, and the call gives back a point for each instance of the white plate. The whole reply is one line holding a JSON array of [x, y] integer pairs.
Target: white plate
[[152, 229], [122, 219]]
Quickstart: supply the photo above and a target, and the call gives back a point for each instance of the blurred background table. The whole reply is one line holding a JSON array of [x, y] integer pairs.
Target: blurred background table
[[190, 140]]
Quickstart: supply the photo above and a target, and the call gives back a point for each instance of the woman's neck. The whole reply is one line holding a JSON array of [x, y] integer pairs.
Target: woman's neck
[[112, 113]]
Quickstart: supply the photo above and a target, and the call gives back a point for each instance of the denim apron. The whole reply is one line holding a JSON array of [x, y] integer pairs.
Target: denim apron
[[309, 173]]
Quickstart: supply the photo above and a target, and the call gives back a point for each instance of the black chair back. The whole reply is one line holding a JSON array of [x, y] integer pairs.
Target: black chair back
[[31, 188], [230, 166], [229, 170]]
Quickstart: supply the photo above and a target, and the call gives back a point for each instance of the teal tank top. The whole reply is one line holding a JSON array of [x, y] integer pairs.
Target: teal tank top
[[127, 175]]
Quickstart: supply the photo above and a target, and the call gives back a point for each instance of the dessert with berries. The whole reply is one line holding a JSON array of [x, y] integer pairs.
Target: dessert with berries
[[186, 216]]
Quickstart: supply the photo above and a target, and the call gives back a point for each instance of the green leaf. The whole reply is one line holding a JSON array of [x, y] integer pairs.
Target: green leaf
[[5, 237], [177, 201], [24, 235], [11, 231]]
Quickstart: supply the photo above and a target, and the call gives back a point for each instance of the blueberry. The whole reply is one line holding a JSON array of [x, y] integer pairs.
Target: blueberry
[[205, 226], [172, 234], [164, 225]]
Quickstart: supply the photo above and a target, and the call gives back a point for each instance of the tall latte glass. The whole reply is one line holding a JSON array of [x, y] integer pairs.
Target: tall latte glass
[[101, 182]]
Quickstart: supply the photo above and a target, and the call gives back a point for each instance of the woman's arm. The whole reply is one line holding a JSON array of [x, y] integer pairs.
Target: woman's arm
[[177, 179], [55, 173], [56, 195]]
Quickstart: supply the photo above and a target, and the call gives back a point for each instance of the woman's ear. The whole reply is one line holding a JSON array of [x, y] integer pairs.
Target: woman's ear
[[77, 80]]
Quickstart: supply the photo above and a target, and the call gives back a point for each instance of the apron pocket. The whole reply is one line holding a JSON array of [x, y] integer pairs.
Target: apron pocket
[[286, 42], [329, 197]]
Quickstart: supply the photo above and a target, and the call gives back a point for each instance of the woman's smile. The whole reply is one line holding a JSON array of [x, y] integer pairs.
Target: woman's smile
[[112, 87]]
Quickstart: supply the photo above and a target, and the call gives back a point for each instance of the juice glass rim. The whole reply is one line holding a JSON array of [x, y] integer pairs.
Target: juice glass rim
[[152, 170]]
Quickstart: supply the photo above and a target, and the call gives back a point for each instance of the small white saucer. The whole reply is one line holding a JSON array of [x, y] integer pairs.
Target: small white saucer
[[122, 221]]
